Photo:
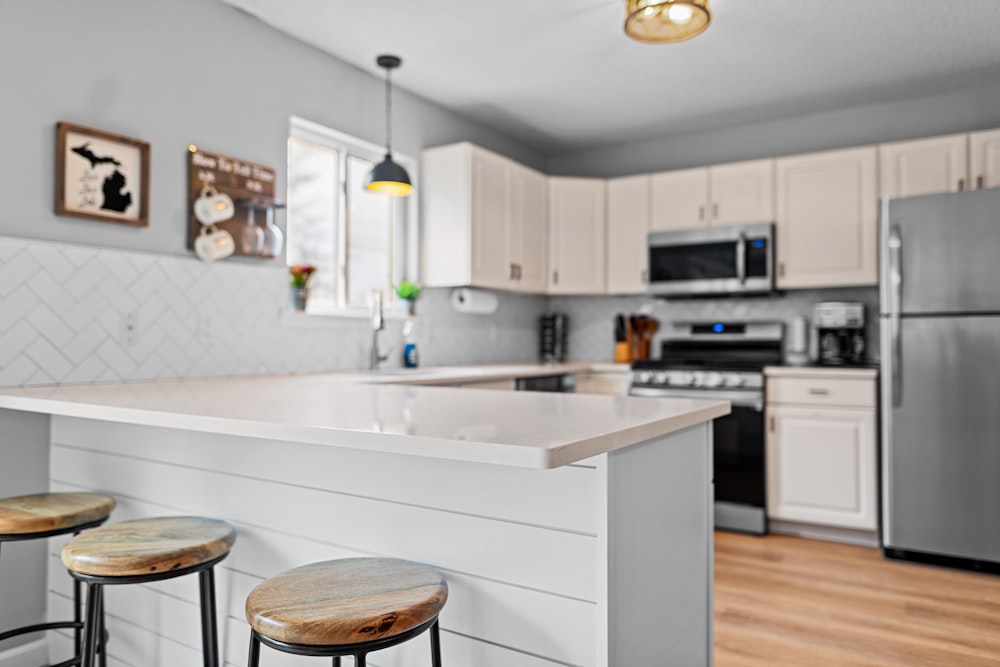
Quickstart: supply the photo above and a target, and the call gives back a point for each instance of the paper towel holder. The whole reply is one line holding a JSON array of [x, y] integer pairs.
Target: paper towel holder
[[474, 301]]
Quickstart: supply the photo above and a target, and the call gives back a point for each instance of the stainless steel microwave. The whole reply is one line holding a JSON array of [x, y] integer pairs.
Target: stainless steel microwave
[[712, 261]]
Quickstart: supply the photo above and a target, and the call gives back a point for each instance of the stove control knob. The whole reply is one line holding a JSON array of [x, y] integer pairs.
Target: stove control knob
[[644, 377], [661, 378], [687, 379], [714, 380], [735, 380]]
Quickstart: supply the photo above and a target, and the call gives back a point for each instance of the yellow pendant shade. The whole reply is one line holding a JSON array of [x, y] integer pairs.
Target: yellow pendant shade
[[666, 21]]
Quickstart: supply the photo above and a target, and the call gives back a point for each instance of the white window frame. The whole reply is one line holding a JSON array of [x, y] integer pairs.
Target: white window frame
[[404, 245]]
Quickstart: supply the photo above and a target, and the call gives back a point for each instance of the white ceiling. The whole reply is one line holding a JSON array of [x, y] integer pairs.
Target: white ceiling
[[561, 75]]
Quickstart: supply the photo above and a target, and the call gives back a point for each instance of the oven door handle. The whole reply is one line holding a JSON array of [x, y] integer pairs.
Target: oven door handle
[[743, 399], [741, 258]]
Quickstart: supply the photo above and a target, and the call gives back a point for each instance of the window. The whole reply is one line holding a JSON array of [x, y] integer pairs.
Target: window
[[359, 241]]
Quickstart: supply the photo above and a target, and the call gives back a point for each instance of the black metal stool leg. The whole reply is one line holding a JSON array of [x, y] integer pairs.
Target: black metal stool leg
[[336, 661], [254, 659], [102, 632], [209, 632], [435, 645], [360, 660], [78, 618], [92, 624]]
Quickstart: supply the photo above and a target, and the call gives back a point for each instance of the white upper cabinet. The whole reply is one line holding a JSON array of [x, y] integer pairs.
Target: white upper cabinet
[[528, 233], [728, 194], [628, 228], [576, 235], [484, 221], [984, 159], [827, 213], [741, 193], [924, 166], [679, 199]]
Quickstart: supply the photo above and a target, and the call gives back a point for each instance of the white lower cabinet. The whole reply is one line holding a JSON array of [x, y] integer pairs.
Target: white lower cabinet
[[822, 457], [608, 383]]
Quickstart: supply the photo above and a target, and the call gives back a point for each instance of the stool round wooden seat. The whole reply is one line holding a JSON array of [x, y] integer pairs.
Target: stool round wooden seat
[[43, 515], [30, 517], [351, 606], [147, 550]]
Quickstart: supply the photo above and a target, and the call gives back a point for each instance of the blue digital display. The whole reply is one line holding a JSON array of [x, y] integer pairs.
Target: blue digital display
[[718, 328], [758, 244]]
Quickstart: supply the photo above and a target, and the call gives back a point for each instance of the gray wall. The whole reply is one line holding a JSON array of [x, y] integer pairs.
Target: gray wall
[[963, 111], [24, 449], [178, 73]]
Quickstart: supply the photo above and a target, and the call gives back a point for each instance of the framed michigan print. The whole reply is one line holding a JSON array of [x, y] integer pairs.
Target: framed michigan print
[[101, 176]]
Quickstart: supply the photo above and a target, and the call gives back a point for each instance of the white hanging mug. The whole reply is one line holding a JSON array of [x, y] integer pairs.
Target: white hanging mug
[[213, 206], [213, 243]]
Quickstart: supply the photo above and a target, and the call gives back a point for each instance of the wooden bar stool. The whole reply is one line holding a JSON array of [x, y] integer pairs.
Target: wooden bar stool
[[347, 607], [46, 515], [147, 550]]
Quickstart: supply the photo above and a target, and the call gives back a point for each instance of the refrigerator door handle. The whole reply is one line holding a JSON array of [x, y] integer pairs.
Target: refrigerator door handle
[[895, 302]]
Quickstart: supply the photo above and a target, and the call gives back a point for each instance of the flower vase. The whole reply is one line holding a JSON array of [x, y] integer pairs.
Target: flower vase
[[299, 297], [407, 306]]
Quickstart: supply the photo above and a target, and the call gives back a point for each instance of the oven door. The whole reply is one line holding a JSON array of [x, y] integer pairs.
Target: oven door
[[738, 450], [716, 260]]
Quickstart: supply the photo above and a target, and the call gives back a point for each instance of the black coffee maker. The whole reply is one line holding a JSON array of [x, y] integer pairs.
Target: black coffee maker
[[839, 333]]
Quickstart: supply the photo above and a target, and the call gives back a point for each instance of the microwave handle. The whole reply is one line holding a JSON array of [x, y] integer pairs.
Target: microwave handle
[[741, 258]]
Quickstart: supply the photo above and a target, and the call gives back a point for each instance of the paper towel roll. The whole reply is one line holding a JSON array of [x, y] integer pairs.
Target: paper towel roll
[[474, 301]]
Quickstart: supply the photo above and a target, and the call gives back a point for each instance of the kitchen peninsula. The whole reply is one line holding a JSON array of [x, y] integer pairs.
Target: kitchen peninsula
[[573, 530]]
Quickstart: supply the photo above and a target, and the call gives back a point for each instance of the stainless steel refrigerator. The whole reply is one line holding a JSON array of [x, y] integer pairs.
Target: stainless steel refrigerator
[[940, 396]]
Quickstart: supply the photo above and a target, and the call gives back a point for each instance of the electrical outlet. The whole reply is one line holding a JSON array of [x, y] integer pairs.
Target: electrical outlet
[[130, 329]]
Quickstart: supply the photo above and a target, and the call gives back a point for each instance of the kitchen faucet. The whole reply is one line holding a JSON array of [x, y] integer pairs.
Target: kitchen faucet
[[378, 323]]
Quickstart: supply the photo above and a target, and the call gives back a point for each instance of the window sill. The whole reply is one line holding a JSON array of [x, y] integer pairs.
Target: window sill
[[318, 317]]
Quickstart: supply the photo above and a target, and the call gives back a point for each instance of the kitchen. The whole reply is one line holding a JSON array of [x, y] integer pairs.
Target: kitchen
[[69, 286]]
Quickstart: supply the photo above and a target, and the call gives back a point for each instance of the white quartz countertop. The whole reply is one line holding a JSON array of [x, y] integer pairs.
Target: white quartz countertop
[[389, 412]]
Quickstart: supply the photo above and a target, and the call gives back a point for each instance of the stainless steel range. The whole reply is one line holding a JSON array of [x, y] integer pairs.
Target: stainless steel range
[[725, 361]]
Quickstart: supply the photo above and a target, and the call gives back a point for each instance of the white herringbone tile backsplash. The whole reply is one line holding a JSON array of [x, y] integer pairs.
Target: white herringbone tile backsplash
[[65, 312]]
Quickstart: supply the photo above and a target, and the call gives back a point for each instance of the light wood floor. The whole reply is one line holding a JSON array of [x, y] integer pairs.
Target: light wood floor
[[788, 601]]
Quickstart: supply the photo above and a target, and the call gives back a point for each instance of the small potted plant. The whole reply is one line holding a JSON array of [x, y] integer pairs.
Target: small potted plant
[[300, 285], [408, 294]]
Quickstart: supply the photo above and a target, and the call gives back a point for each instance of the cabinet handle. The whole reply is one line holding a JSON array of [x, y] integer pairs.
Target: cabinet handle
[[518, 270], [644, 276], [715, 211], [979, 182], [555, 277], [770, 424], [781, 269], [512, 270], [701, 212], [961, 184], [818, 391]]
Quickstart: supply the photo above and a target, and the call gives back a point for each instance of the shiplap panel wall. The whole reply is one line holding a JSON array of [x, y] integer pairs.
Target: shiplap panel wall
[[522, 573]]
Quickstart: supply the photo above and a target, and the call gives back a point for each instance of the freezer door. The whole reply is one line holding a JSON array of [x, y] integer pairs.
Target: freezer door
[[941, 438], [945, 251]]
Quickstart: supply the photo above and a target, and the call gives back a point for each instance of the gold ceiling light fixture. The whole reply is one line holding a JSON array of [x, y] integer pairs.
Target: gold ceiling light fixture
[[666, 21], [388, 176]]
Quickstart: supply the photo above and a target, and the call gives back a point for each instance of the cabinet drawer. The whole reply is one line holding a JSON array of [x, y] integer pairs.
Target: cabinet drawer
[[821, 391]]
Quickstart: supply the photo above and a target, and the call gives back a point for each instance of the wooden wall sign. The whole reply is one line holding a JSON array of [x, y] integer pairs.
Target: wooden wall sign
[[101, 176], [251, 187]]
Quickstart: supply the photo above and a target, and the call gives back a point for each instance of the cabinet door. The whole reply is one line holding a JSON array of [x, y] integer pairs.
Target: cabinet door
[[985, 159], [821, 466], [742, 193], [827, 213], [628, 228], [528, 233], [679, 199], [490, 215], [576, 235], [924, 167]]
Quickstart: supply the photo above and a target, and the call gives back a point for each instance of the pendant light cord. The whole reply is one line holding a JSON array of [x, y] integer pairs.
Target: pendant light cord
[[388, 111]]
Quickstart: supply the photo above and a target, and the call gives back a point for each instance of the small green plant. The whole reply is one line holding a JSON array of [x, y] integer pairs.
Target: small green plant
[[300, 275], [408, 291]]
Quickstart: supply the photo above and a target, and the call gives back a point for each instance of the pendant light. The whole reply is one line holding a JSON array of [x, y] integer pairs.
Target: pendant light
[[387, 176], [665, 21]]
